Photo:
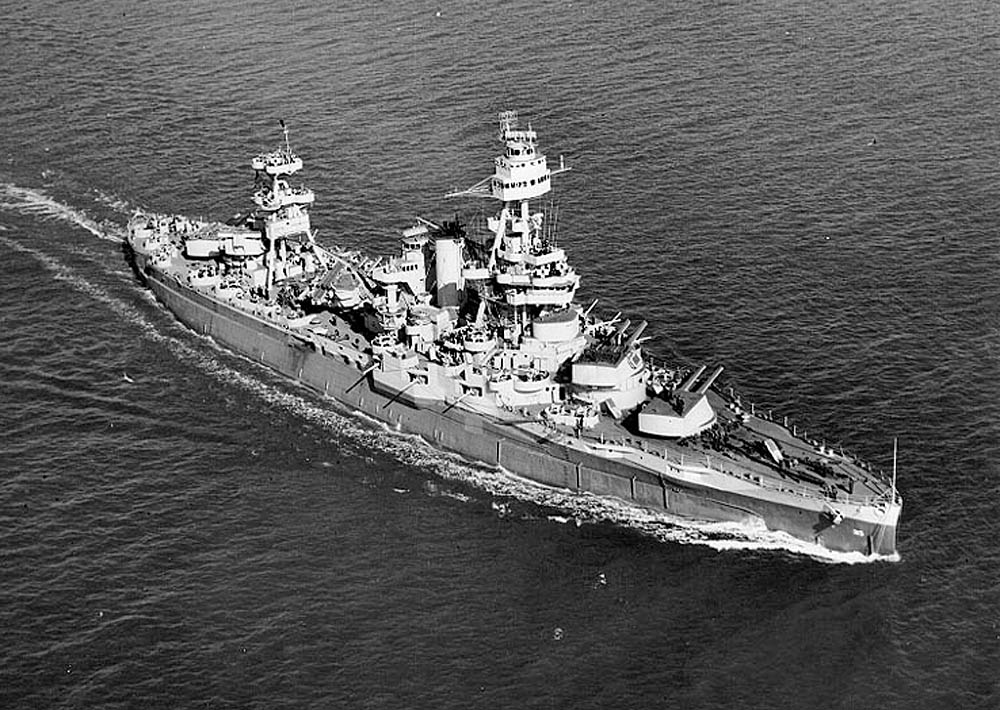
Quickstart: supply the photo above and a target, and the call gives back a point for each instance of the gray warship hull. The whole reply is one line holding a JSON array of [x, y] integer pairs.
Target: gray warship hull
[[340, 374]]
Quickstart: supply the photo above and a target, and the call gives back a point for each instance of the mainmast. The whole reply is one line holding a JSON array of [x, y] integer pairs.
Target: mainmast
[[282, 215], [895, 448], [284, 130]]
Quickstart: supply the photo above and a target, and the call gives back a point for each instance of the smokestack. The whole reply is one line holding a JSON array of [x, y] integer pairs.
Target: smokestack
[[448, 265]]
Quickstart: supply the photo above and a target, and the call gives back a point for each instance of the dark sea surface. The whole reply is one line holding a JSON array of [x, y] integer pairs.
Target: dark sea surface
[[807, 192]]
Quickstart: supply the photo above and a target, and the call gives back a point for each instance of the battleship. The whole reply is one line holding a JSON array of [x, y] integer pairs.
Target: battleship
[[473, 340]]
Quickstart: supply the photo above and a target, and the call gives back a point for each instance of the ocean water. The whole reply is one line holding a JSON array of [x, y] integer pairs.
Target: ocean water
[[805, 192]]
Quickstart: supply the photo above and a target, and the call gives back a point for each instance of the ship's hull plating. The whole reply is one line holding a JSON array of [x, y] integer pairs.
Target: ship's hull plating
[[337, 376]]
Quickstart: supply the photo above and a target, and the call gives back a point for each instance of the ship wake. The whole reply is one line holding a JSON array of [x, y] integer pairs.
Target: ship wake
[[24, 200]]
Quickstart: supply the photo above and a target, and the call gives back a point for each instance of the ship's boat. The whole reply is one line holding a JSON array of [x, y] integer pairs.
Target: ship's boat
[[472, 339]]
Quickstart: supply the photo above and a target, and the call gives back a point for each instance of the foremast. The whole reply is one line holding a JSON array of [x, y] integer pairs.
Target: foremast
[[530, 273]]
